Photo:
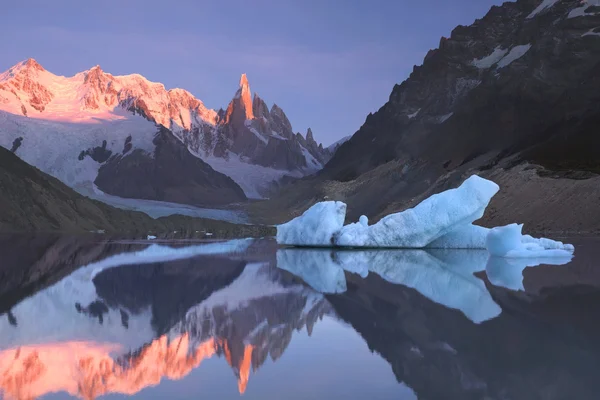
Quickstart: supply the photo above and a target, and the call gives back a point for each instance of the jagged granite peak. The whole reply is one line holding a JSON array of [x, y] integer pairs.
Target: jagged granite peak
[[281, 122], [242, 133], [240, 108], [260, 108]]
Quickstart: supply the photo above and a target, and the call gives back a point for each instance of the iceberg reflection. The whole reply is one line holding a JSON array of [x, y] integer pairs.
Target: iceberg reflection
[[444, 276], [508, 272]]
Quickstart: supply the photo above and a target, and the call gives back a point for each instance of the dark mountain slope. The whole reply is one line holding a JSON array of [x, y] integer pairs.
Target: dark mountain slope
[[519, 87], [33, 201]]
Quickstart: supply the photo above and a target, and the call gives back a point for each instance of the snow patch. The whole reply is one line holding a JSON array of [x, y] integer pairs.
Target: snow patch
[[580, 11], [514, 54], [545, 5], [413, 115], [591, 33], [444, 118], [490, 60]]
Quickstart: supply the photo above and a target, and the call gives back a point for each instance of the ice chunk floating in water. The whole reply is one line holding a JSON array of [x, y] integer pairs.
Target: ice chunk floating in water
[[444, 221], [428, 221], [508, 241], [315, 227]]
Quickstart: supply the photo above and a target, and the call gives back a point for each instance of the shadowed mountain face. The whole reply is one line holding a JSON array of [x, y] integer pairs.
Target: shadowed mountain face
[[170, 174], [515, 88], [31, 200]]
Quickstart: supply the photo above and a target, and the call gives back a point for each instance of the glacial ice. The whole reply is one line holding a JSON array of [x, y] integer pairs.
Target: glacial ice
[[442, 221], [431, 219], [508, 241], [315, 227]]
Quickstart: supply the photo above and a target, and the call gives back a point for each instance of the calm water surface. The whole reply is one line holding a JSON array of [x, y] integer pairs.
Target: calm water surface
[[85, 317]]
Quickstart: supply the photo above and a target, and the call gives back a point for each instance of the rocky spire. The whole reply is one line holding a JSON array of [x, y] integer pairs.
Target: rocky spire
[[259, 107], [240, 108], [281, 123], [310, 137], [245, 96]]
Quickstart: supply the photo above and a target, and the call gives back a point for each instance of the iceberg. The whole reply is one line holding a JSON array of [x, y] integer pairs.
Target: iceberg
[[508, 241], [442, 221], [431, 219], [315, 227]]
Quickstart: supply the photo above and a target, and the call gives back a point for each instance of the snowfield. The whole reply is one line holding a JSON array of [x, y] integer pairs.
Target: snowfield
[[54, 147], [444, 220]]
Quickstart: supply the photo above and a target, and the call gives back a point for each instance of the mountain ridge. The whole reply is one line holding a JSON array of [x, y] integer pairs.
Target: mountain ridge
[[253, 151], [512, 97]]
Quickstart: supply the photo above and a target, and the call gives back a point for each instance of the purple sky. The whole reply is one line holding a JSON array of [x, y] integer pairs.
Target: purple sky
[[327, 63]]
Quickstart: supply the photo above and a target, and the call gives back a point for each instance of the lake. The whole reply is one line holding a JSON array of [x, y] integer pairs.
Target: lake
[[86, 317]]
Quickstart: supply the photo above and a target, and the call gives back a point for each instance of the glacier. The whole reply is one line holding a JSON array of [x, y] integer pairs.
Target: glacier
[[442, 221]]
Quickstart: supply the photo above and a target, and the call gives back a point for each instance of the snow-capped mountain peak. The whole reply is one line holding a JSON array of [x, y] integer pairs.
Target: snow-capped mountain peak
[[247, 133]]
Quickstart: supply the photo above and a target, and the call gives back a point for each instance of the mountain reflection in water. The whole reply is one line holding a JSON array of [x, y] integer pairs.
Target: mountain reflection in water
[[121, 317]]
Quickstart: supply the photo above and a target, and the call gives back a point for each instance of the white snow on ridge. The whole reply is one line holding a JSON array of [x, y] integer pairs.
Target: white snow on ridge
[[545, 4], [489, 61], [333, 147], [312, 165], [514, 54]]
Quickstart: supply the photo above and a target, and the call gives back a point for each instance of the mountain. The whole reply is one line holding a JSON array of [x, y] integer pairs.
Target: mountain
[[134, 138], [513, 97], [31, 200]]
